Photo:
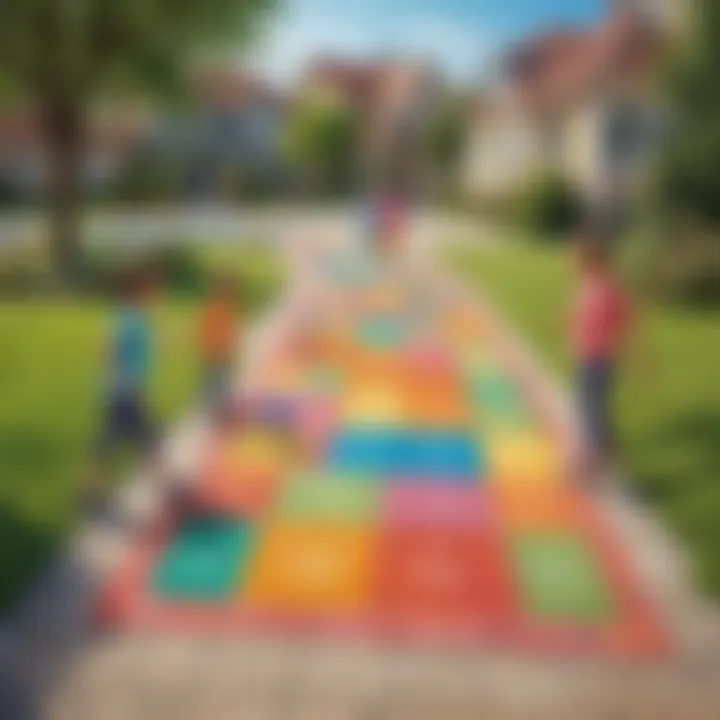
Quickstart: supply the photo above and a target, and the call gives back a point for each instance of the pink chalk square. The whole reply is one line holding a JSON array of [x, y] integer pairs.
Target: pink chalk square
[[318, 419], [434, 504]]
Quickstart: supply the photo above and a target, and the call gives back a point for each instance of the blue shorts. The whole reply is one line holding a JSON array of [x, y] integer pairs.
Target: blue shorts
[[217, 383], [596, 384], [126, 420]]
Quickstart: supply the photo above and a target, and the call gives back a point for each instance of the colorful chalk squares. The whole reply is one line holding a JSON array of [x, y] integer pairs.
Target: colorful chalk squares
[[387, 475], [373, 404], [428, 408], [560, 579], [434, 505], [304, 568], [322, 499], [381, 333], [523, 507], [407, 455], [525, 459], [204, 561], [441, 579]]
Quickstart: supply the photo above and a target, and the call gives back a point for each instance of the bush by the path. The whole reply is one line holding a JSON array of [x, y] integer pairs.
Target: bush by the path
[[548, 206]]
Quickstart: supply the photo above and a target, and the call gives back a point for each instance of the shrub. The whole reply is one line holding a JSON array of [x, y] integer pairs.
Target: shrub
[[149, 177], [675, 262], [179, 268], [548, 206]]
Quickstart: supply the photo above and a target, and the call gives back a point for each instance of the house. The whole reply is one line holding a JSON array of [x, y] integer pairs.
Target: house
[[583, 104], [235, 127], [111, 137]]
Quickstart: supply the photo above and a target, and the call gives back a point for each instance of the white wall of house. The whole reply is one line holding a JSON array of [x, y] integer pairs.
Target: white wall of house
[[583, 161], [502, 152]]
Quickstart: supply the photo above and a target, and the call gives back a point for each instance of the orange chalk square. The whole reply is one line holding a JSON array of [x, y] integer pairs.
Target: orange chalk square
[[307, 568], [552, 507], [440, 403]]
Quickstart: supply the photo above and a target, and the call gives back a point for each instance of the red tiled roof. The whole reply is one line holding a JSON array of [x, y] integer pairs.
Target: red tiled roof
[[232, 88], [358, 81], [20, 131], [550, 71]]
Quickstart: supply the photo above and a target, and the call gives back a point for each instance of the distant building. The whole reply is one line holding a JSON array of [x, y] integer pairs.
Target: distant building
[[236, 126], [110, 139], [580, 103]]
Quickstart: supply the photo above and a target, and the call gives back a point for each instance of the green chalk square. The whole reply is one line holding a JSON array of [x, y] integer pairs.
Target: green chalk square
[[204, 561], [329, 498], [496, 392], [560, 580], [503, 418]]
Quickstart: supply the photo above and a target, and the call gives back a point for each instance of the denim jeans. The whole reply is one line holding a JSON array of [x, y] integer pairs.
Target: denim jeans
[[596, 384]]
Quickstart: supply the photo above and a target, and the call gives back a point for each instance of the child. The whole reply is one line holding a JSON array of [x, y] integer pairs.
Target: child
[[219, 327], [601, 321], [126, 417], [395, 222]]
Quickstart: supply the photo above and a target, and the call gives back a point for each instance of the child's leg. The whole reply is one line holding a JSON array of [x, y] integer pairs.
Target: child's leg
[[596, 386], [110, 435]]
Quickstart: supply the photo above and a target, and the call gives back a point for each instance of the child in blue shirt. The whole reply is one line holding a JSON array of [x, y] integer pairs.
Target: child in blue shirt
[[125, 416]]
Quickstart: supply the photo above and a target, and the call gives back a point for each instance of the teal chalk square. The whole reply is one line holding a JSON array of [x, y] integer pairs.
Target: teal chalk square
[[204, 561], [381, 333]]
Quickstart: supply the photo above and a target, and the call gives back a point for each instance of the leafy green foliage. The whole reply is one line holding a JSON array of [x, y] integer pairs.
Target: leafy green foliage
[[682, 249], [73, 48], [322, 140], [446, 134], [549, 206], [60, 54], [690, 181]]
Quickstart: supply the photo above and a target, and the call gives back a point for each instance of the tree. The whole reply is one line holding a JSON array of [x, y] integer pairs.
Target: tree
[[689, 178], [446, 136], [322, 139], [61, 54], [684, 257]]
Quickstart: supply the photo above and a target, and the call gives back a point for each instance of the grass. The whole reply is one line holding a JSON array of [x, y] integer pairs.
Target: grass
[[668, 409], [51, 381]]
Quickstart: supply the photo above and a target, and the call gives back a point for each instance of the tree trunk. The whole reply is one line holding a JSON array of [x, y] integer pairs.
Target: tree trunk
[[64, 134]]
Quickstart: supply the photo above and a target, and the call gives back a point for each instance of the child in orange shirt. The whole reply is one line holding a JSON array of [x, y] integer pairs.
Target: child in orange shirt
[[219, 328]]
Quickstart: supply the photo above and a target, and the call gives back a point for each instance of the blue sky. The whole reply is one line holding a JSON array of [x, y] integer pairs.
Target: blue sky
[[461, 35]]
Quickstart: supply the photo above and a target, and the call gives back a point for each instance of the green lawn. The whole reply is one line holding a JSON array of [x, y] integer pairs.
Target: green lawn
[[51, 378], [668, 408]]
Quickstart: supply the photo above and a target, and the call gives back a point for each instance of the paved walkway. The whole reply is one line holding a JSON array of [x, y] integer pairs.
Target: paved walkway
[[75, 672]]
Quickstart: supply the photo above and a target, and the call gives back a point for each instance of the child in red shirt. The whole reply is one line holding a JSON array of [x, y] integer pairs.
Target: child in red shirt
[[219, 336], [600, 326]]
